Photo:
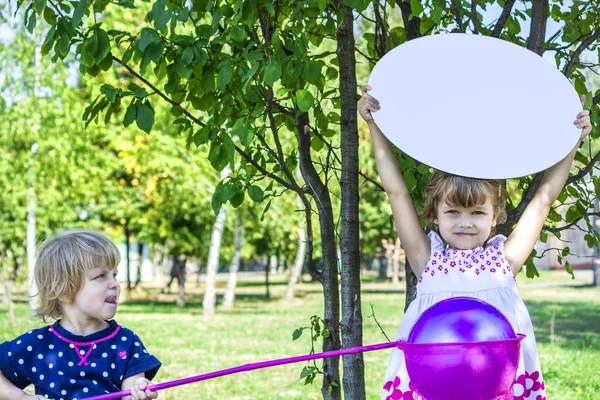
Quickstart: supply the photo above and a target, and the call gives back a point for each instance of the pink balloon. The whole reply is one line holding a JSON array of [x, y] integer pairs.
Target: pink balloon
[[462, 349]]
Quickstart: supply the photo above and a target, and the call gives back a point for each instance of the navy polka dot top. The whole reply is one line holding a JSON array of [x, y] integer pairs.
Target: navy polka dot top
[[64, 366]]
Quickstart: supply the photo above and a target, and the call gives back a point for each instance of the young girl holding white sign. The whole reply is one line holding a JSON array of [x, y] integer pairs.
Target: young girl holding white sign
[[462, 259]]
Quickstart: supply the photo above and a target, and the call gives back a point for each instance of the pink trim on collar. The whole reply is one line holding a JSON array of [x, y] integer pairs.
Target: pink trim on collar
[[83, 358]]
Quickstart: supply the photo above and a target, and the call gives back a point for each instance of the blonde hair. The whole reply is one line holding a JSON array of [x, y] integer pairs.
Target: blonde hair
[[61, 263], [464, 192]]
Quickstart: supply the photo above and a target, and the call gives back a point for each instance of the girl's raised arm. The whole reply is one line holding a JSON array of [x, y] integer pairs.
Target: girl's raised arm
[[522, 240], [415, 242]]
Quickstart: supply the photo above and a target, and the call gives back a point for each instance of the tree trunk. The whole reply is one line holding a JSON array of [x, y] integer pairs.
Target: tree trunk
[[396, 263], [296, 270], [181, 276], [212, 265], [328, 277], [7, 296], [411, 285], [127, 256], [537, 30], [281, 263], [238, 237], [267, 272], [156, 260], [140, 262], [351, 325], [273, 264], [31, 210]]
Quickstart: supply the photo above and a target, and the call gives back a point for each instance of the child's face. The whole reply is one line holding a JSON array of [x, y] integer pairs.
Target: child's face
[[99, 296], [465, 228]]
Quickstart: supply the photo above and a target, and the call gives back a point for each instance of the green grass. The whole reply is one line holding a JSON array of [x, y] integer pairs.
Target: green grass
[[190, 344]]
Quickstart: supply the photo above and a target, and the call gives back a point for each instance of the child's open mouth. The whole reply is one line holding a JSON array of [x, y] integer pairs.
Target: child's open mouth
[[111, 300]]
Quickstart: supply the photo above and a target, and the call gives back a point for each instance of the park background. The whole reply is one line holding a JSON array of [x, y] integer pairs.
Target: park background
[[217, 136]]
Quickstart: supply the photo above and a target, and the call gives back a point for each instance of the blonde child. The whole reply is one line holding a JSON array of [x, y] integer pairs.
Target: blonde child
[[462, 259], [85, 353]]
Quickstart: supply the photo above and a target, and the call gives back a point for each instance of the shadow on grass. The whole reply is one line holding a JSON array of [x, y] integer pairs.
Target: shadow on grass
[[576, 323]]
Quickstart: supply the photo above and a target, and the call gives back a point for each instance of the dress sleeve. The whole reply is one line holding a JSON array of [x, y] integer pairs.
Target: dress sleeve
[[13, 359], [497, 240], [437, 243], [141, 361]]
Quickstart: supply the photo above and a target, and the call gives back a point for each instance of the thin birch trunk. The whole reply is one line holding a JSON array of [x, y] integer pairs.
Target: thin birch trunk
[[210, 291], [229, 298]]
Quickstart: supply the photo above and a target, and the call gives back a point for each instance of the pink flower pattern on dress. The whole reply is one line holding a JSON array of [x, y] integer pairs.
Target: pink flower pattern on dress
[[525, 384], [444, 261], [394, 392]]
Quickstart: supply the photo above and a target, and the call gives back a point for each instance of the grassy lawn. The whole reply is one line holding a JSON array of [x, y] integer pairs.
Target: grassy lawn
[[190, 344]]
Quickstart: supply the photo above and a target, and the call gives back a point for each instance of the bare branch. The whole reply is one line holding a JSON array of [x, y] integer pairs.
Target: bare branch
[[514, 215], [474, 17], [562, 228], [584, 171], [508, 5], [279, 154], [560, 251], [457, 7], [580, 49]]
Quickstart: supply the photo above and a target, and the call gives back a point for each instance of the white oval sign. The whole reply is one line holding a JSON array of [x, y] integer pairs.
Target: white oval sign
[[475, 106]]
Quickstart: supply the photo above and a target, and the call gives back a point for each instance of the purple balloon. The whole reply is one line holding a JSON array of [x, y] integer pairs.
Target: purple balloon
[[461, 319], [462, 349]]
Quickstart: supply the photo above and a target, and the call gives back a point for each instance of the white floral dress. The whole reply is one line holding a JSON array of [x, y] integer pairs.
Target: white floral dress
[[482, 273]]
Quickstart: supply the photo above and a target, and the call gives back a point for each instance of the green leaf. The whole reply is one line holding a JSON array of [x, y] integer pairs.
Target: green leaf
[[148, 37], [187, 55], [224, 76], [417, 8], [237, 34], [144, 117], [31, 22], [201, 135], [358, 5], [130, 114], [219, 197], [569, 269], [217, 156], [305, 100], [79, 12], [272, 72], [312, 72], [160, 14], [297, 333], [589, 101], [316, 143], [40, 5], [182, 68], [256, 193], [228, 146], [307, 371], [580, 86], [237, 199], [411, 181], [140, 93], [572, 214]]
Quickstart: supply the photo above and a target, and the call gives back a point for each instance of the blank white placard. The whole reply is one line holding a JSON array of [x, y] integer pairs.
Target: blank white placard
[[475, 106]]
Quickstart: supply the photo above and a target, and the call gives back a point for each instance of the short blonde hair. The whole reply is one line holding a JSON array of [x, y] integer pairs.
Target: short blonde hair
[[61, 263], [464, 192]]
